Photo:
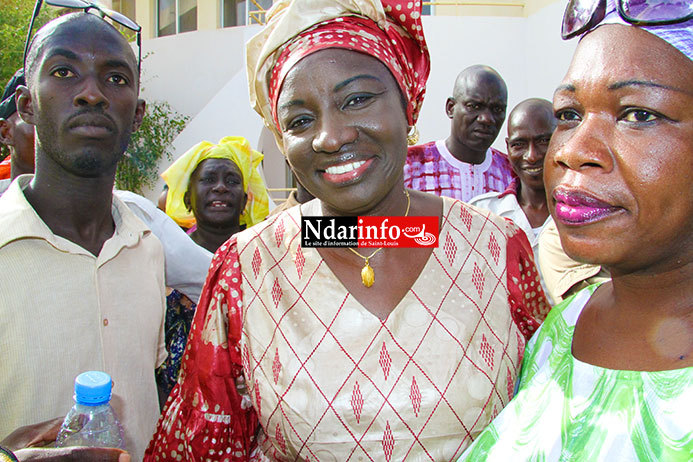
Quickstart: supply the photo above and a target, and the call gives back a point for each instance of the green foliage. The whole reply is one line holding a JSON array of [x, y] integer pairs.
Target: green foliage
[[14, 21], [138, 168]]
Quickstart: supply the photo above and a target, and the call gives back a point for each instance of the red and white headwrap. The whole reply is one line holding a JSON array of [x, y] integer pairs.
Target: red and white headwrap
[[390, 31]]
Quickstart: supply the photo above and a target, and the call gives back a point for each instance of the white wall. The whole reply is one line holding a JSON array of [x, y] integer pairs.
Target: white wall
[[188, 69], [527, 52], [547, 57], [202, 74]]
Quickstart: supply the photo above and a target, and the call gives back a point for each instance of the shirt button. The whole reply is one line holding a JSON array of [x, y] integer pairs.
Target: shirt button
[[105, 321]]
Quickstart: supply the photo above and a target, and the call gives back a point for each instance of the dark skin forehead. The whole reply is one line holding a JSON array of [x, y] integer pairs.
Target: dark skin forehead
[[531, 109], [68, 31], [480, 81], [214, 163]]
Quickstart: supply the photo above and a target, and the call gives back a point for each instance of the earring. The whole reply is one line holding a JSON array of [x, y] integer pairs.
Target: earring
[[413, 136]]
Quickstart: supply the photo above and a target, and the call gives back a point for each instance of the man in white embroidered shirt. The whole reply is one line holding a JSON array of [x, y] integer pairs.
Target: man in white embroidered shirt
[[83, 278]]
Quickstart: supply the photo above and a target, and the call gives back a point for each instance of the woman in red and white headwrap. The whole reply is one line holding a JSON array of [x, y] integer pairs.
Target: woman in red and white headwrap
[[340, 353]]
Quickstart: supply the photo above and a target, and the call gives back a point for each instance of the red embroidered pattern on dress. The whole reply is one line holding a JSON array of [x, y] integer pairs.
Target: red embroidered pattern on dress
[[385, 361], [494, 248], [257, 260], [276, 366], [279, 233], [280, 438], [357, 402], [478, 279], [388, 442], [486, 351], [450, 248], [466, 218], [258, 399], [300, 261], [415, 396], [276, 292]]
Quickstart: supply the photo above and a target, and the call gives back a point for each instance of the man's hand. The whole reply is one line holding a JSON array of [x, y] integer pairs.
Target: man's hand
[[76, 454], [39, 434], [25, 442]]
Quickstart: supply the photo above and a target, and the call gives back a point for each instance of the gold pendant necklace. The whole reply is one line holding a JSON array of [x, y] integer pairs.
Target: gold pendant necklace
[[367, 273]]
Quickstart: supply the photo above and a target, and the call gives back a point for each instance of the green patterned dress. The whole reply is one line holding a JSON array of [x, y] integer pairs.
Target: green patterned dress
[[567, 410]]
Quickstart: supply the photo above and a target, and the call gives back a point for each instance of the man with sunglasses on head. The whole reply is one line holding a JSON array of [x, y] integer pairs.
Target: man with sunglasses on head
[[83, 286]]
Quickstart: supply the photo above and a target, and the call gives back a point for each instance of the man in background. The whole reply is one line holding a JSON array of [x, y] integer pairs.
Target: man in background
[[530, 126], [465, 165], [15, 134]]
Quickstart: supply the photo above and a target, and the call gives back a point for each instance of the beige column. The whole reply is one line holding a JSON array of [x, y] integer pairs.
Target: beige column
[[208, 14], [145, 11]]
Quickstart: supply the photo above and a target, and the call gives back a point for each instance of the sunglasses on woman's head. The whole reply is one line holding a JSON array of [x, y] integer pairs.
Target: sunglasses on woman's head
[[87, 6], [582, 15]]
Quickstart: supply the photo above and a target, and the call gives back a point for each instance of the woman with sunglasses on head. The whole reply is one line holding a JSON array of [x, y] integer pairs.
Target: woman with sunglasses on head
[[297, 353], [609, 376]]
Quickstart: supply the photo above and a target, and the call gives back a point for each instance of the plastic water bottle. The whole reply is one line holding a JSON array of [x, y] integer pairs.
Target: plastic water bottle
[[91, 421]]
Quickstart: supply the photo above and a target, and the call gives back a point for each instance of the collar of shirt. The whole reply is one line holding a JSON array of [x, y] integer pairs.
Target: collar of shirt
[[511, 189], [18, 220], [463, 166]]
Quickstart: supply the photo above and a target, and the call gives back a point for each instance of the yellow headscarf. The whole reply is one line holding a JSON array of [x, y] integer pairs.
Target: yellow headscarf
[[235, 148]]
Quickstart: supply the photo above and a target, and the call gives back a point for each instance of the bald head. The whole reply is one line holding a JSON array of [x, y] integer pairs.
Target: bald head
[[73, 26], [480, 75], [531, 109], [477, 112]]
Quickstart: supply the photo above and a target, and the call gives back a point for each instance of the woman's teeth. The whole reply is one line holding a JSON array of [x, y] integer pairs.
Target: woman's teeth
[[344, 168]]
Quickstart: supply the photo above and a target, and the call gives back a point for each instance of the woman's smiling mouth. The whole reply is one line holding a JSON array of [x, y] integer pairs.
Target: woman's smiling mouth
[[345, 172], [219, 205]]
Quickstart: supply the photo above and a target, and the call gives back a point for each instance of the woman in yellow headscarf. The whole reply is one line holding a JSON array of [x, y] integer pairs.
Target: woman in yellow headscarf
[[216, 191]]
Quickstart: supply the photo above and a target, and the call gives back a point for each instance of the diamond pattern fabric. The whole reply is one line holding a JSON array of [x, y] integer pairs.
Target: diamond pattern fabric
[[327, 379]]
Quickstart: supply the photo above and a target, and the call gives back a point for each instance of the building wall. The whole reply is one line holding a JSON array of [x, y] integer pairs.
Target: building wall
[[202, 74], [208, 11]]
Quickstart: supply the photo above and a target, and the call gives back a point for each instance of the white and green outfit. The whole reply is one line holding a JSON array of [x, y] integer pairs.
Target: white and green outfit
[[567, 410]]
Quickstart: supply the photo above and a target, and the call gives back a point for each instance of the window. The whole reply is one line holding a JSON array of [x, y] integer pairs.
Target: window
[[175, 16], [232, 13], [127, 7], [166, 16], [187, 15]]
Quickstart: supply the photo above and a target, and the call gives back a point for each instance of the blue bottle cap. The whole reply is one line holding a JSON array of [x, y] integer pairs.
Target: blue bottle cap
[[93, 388]]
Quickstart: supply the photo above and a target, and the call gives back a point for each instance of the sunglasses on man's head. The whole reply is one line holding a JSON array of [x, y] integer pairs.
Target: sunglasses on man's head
[[582, 15], [87, 7]]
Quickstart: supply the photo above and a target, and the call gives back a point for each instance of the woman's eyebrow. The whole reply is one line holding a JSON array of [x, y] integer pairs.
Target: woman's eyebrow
[[293, 102], [644, 83], [641, 83], [627, 83], [346, 82], [337, 87]]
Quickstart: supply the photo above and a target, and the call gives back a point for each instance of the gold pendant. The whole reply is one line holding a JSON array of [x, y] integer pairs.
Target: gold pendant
[[367, 275]]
